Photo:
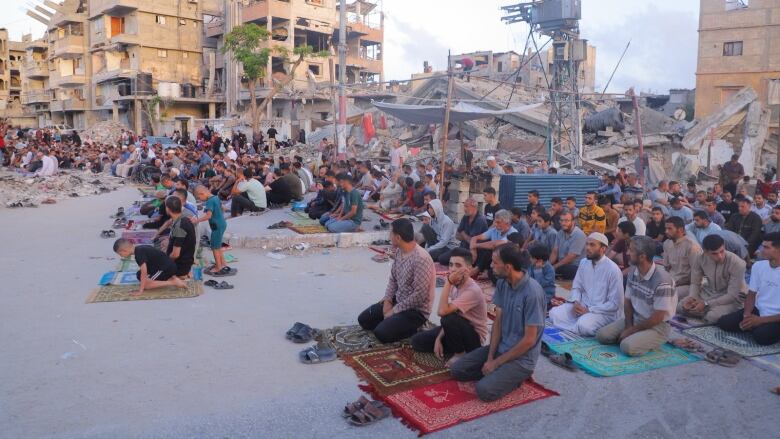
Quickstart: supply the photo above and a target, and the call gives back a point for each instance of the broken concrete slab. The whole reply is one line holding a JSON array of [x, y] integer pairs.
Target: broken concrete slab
[[607, 151], [756, 132], [719, 152], [694, 139]]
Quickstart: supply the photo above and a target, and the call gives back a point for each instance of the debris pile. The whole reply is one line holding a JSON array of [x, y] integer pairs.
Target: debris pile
[[18, 190], [107, 132]]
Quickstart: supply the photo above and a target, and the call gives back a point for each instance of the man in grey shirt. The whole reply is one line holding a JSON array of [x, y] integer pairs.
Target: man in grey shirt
[[569, 248], [515, 340]]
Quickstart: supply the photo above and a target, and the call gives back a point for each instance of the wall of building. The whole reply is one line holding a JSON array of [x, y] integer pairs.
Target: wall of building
[[717, 76]]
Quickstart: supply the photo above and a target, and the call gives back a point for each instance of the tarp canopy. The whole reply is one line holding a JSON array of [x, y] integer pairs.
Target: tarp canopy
[[428, 114]]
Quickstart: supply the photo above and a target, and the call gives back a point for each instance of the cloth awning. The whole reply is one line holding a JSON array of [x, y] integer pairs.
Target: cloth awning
[[428, 114]]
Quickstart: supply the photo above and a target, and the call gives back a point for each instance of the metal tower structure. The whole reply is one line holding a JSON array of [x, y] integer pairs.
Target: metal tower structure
[[559, 20]]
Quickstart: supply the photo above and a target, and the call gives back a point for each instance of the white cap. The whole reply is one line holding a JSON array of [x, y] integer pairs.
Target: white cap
[[491, 158], [600, 237]]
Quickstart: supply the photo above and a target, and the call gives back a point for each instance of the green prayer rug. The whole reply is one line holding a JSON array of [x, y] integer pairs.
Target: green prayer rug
[[608, 360]]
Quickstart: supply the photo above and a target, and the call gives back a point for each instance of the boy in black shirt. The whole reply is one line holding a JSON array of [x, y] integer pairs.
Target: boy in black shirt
[[157, 270], [491, 205], [181, 245]]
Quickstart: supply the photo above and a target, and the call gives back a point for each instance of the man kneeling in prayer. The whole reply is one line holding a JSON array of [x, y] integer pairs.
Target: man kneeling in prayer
[[596, 293], [462, 310], [410, 291], [649, 303], [156, 269], [515, 340]]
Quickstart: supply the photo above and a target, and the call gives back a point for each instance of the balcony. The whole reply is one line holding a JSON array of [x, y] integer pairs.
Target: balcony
[[60, 19], [215, 28], [261, 9], [14, 65], [69, 104], [38, 44], [35, 97], [125, 70], [70, 46], [365, 31], [114, 7], [72, 80], [128, 39], [36, 69], [364, 63]]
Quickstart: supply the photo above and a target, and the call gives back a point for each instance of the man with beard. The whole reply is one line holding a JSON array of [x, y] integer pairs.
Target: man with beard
[[650, 301], [515, 340], [596, 293]]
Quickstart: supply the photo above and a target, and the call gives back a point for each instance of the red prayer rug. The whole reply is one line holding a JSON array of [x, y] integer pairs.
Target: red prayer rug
[[397, 369], [442, 405]]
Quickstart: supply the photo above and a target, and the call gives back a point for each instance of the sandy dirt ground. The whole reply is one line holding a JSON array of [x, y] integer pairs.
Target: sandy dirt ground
[[218, 366]]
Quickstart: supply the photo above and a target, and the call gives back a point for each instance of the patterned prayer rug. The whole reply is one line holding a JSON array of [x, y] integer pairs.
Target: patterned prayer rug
[[441, 270], [139, 237], [119, 278], [770, 363], [739, 342], [438, 406], [310, 229], [553, 335], [394, 370], [353, 338], [121, 293], [682, 323], [607, 360]]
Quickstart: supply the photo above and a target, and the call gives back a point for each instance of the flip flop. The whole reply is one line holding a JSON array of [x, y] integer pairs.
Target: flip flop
[[563, 360], [295, 328], [356, 406], [723, 357], [317, 354], [211, 283], [370, 414], [303, 335], [223, 286], [225, 271]]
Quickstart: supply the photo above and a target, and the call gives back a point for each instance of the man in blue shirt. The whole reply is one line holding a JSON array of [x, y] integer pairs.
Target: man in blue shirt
[[611, 189], [701, 227], [677, 209], [472, 224], [515, 340], [482, 246]]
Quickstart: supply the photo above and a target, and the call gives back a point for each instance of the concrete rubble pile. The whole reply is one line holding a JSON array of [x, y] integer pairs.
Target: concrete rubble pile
[[17, 190], [675, 149], [107, 132]]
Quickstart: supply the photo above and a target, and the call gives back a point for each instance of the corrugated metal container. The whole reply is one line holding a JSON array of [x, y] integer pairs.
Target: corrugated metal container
[[513, 190]]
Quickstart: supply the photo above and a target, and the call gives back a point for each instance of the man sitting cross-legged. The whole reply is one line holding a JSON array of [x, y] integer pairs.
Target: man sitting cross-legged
[[725, 288], [650, 302], [156, 270], [482, 246], [596, 293], [462, 310], [515, 340], [409, 296], [761, 315]]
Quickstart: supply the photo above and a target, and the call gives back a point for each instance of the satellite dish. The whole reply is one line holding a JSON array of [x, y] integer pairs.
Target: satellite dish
[[679, 114]]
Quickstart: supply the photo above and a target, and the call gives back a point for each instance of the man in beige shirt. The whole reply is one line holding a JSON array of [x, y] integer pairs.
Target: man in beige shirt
[[680, 252], [725, 288]]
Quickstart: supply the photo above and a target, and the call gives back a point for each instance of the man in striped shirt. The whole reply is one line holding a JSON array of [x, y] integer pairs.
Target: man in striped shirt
[[650, 302], [410, 291]]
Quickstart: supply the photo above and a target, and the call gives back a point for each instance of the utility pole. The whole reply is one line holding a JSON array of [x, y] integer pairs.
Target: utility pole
[[342, 126], [638, 129], [446, 130]]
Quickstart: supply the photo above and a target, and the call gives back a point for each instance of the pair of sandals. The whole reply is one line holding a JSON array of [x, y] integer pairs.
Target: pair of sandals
[[218, 285], [119, 223], [365, 412], [225, 271], [280, 225], [108, 234], [723, 357], [300, 333], [382, 225], [563, 360], [319, 353], [120, 213]]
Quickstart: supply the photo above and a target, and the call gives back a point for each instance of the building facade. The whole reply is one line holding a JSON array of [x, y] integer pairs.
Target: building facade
[[739, 45]]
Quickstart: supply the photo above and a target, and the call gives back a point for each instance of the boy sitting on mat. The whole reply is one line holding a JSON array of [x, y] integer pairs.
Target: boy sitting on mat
[[157, 270]]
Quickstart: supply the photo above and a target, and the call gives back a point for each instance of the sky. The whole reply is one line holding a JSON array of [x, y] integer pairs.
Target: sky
[[663, 36]]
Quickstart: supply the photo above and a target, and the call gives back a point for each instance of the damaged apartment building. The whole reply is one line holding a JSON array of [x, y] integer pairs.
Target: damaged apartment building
[[156, 66]]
